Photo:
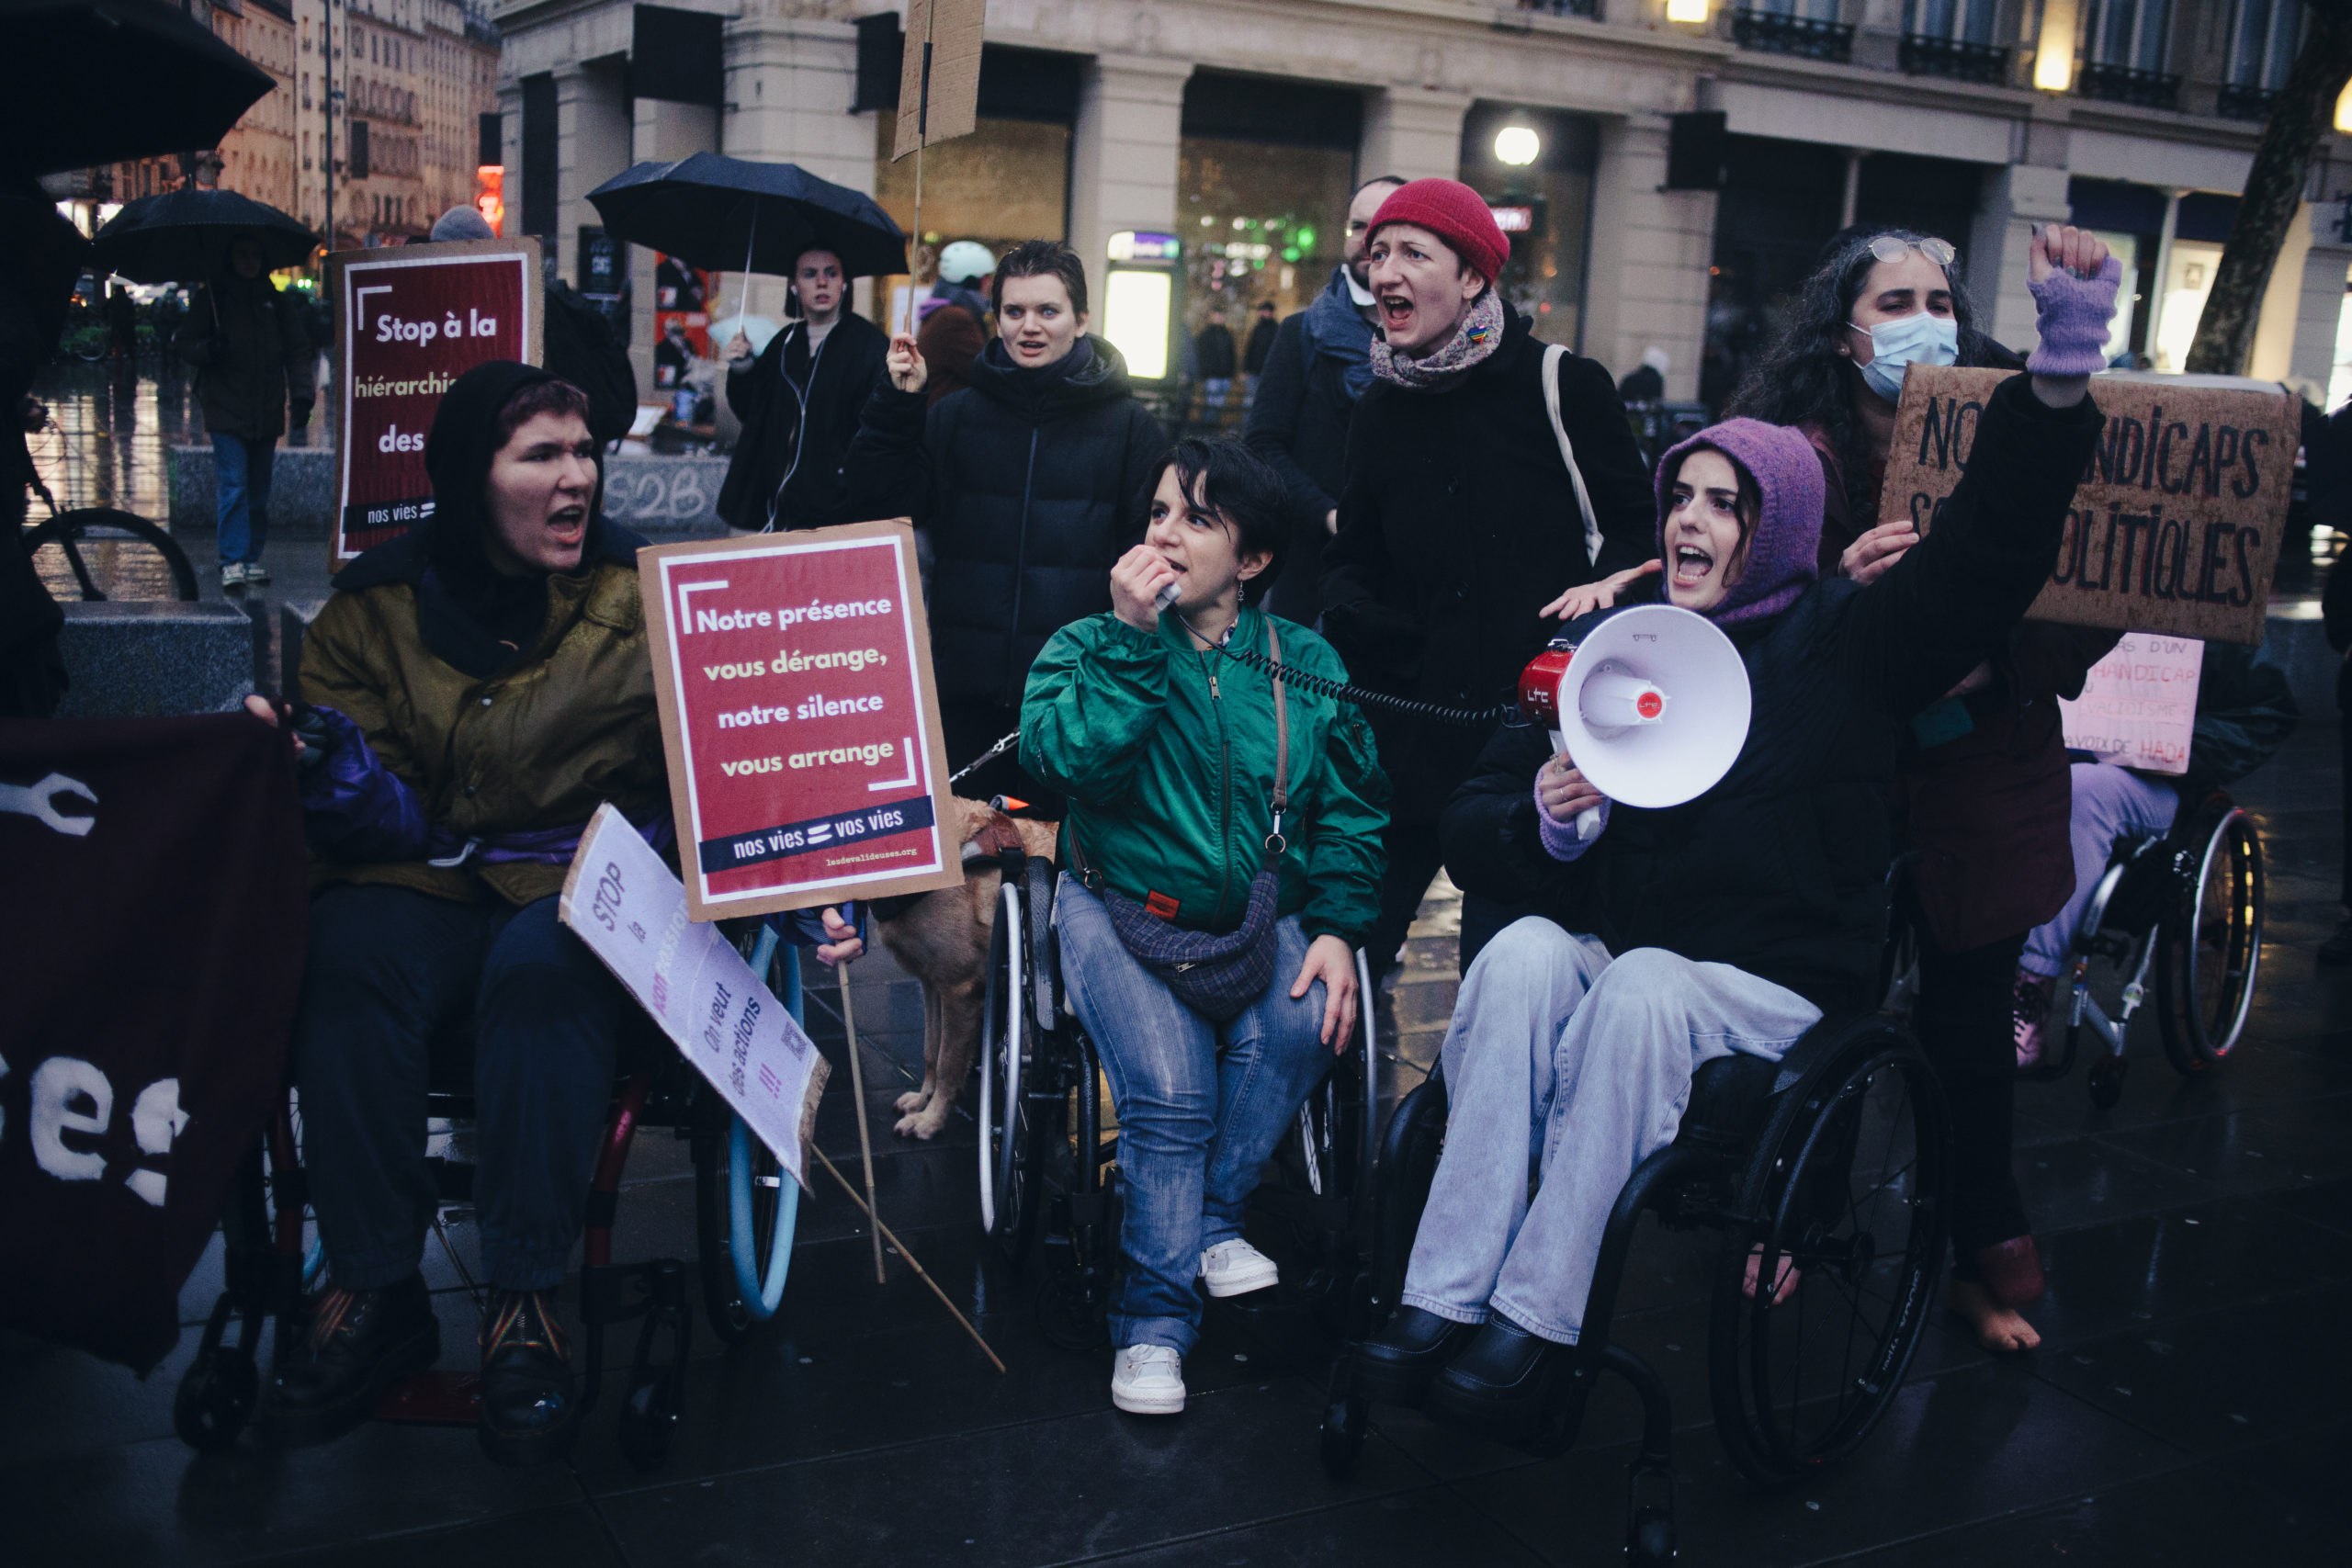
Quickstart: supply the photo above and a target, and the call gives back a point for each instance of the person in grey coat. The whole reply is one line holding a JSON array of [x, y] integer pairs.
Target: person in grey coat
[[253, 365]]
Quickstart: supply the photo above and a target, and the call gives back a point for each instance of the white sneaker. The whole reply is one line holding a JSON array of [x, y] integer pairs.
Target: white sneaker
[[257, 572], [1236, 1268], [233, 574], [1148, 1380]]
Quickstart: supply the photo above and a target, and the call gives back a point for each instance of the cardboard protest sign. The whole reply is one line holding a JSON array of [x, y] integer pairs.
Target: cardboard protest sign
[[631, 913], [2139, 704], [939, 73], [2176, 525], [793, 673], [408, 321]]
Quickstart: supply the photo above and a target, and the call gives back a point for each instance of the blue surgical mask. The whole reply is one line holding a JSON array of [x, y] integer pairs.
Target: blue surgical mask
[[1922, 338]]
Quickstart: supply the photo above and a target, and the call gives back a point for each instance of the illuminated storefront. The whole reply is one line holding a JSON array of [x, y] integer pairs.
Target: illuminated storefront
[[1263, 174], [1534, 167]]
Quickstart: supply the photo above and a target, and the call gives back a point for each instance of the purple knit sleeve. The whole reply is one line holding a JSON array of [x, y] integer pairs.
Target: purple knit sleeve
[[1561, 842], [2073, 314]]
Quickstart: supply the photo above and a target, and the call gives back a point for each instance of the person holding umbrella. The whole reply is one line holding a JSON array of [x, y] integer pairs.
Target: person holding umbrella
[[253, 365], [799, 401], [1032, 483]]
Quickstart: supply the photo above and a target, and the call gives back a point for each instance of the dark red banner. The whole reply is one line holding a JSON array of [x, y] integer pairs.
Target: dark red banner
[[412, 321]]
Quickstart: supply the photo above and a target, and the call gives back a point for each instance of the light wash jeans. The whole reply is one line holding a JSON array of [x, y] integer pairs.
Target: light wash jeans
[[2108, 802], [1200, 1105], [1562, 1057], [240, 473]]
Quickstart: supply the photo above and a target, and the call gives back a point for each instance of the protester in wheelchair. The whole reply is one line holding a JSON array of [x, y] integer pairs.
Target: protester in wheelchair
[[477, 688], [2245, 713], [1730, 924], [1222, 858]]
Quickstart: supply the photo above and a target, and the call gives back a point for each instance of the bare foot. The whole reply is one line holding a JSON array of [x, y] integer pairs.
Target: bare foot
[[914, 1100], [1784, 1277], [1997, 1327]]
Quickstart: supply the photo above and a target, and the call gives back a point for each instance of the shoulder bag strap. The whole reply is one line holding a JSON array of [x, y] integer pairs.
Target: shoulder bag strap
[[1274, 840], [1552, 355]]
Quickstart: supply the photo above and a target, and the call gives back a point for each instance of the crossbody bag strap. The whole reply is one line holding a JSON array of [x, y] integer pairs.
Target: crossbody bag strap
[[1274, 840], [1553, 355]]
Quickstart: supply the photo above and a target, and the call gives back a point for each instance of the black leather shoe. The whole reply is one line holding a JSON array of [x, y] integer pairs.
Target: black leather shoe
[[360, 1342], [530, 1411], [1394, 1366], [1507, 1384]]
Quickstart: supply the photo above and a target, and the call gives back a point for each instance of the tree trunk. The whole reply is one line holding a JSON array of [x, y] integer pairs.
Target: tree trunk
[[2274, 188]]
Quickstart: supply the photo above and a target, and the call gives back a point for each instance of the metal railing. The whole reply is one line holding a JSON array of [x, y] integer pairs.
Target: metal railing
[[2236, 102], [1587, 9], [1772, 33], [2130, 85], [1921, 54]]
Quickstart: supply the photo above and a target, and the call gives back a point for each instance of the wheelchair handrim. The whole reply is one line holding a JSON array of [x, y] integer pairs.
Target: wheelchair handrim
[[2244, 952], [1000, 1023], [761, 1287], [1766, 1424]]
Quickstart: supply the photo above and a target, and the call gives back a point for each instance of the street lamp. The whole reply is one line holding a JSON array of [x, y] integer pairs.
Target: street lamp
[[1518, 145]]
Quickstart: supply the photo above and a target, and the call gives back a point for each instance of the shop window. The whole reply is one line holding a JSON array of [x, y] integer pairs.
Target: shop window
[[1264, 172], [1007, 182], [1534, 167]]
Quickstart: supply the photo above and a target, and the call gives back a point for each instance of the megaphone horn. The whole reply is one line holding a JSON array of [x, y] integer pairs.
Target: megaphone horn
[[1653, 704]]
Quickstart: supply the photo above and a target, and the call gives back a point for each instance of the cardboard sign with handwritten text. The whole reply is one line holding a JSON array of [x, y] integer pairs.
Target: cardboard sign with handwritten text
[[2176, 525]]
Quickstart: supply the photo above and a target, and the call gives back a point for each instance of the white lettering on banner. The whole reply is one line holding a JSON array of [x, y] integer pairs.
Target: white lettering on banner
[[2139, 703], [59, 1084], [70, 1095], [395, 440], [696, 986], [822, 707], [818, 610]]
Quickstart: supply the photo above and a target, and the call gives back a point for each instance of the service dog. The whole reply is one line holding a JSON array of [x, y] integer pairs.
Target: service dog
[[942, 939]]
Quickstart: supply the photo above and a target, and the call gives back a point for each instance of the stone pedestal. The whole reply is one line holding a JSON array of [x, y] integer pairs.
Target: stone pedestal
[[151, 659]]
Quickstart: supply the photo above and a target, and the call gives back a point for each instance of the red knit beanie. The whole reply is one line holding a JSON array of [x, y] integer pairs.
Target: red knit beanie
[[1455, 213]]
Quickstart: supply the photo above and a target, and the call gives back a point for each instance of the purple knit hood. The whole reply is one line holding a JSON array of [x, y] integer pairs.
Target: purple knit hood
[[1782, 559]]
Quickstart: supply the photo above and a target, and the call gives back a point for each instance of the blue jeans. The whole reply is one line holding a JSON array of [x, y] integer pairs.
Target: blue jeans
[[241, 471], [1200, 1106], [1562, 1057], [389, 968]]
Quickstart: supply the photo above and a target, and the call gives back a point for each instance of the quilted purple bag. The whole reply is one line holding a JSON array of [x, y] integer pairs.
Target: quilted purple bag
[[1216, 977]]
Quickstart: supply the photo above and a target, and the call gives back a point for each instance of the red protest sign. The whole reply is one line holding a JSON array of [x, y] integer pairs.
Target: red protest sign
[[409, 321], [792, 675]]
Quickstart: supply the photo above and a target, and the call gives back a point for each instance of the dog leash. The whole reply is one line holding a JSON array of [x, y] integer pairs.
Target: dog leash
[[991, 755]]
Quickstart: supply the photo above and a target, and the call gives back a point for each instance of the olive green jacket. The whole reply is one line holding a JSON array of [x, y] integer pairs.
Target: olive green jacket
[[1167, 753], [539, 745]]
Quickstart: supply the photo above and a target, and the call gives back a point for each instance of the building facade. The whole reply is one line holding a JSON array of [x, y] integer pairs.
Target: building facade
[[377, 116], [1238, 126]]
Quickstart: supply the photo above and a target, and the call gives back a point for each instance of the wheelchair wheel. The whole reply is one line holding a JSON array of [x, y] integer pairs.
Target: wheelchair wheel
[[1847, 1187], [1012, 1134], [2210, 944], [746, 1209]]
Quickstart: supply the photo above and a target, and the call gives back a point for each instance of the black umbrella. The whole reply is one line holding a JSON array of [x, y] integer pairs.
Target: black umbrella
[[727, 215], [87, 81], [183, 235]]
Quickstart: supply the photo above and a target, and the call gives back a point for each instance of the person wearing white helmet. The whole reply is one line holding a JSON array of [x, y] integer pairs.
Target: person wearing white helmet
[[955, 317]]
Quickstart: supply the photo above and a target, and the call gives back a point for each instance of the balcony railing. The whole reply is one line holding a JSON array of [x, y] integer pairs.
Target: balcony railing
[[1775, 34], [1588, 9], [2130, 85], [2235, 102], [1921, 55]]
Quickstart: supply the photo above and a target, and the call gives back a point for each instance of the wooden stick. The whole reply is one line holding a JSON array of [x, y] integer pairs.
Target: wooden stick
[[864, 1139], [881, 1229]]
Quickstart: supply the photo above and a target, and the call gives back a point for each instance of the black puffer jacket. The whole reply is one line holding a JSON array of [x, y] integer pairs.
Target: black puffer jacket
[[1457, 525], [787, 468], [1780, 869], [1030, 484]]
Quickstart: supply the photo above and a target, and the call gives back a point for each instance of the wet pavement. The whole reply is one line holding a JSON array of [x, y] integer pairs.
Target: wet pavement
[[2187, 1406]]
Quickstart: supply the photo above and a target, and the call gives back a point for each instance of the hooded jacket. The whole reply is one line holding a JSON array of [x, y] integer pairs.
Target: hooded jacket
[[1780, 868], [251, 354], [1457, 525], [488, 739], [800, 414], [1298, 422], [1029, 484], [1169, 773]]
